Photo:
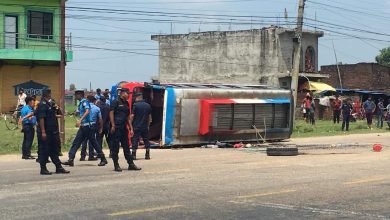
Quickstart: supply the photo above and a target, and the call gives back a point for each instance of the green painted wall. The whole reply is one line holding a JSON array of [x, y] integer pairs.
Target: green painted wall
[[32, 48], [20, 8]]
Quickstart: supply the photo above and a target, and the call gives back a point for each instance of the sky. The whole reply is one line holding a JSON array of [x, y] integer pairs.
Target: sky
[[112, 39]]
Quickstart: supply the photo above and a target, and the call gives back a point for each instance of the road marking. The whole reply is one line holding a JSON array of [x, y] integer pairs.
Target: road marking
[[362, 181], [266, 194], [16, 170], [322, 211], [167, 171], [138, 211]]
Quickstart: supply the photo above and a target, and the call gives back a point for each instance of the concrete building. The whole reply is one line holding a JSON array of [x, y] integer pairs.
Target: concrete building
[[366, 76], [257, 56], [30, 51]]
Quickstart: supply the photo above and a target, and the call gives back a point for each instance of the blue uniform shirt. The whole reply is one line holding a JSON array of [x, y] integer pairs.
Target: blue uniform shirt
[[98, 96], [95, 113], [25, 111], [83, 106]]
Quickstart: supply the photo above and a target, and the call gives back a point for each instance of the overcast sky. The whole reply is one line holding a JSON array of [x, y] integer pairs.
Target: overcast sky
[[113, 46]]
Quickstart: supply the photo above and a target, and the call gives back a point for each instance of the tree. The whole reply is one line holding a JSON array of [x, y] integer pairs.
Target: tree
[[72, 87], [384, 57]]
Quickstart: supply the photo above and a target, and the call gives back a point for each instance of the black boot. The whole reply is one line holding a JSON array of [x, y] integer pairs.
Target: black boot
[[82, 158], [117, 168], [134, 154], [132, 166], [70, 163], [61, 170], [147, 154], [44, 170], [103, 161]]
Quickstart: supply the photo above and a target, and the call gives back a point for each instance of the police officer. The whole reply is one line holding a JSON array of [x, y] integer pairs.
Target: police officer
[[105, 111], [28, 120], [96, 117], [120, 121], [87, 130], [140, 121], [48, 134]]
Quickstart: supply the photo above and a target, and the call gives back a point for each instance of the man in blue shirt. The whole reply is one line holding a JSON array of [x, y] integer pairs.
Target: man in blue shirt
[[87, 130], [96, 117], [369, 108], [28, 120], [98, 94]]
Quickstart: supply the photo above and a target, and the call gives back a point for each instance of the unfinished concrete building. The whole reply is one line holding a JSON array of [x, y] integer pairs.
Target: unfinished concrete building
[[256, 56]]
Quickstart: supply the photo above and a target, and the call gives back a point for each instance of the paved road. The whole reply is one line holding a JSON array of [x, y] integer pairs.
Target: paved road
[[205, 184]]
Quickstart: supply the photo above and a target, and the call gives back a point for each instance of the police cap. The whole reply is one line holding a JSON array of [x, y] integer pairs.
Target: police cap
[[46, 92], [91, 98], [124, 90], [138, 94], [79, 92]]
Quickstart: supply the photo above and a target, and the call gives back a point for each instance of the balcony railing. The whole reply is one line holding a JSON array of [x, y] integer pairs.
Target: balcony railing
[[33, 41]]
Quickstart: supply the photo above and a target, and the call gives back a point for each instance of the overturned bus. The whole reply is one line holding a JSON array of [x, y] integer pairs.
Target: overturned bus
[[197, 114]]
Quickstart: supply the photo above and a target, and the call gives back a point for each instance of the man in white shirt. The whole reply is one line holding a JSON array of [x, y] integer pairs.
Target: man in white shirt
[[21, 98]]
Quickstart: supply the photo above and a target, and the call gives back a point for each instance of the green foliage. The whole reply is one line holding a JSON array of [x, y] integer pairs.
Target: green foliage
[[72, 87], [384, 57]]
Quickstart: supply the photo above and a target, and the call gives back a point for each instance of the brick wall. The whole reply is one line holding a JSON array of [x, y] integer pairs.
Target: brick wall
[[367, 76]]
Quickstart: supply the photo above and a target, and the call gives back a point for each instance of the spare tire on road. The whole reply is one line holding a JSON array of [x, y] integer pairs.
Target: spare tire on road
[[282, 151]]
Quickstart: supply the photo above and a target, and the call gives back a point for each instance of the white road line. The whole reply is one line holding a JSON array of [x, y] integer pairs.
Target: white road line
[[323, 211], [145, 210], [266, 194]]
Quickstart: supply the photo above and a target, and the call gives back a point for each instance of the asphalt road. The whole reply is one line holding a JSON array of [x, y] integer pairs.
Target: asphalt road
[[205, 184]]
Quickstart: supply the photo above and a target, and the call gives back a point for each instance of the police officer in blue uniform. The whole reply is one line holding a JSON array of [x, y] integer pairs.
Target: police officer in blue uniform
[[96, 117], [87, 130], [120, 122], [49, 141], [140, 121], [28, 120]]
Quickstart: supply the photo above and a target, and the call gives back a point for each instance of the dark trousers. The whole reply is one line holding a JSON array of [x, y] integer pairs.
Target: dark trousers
[[49, 148], [336, 116], [91, 151], [100, 137], [138, 133], [28, 138], [85, 132], [379, 123], [121, 136], [369, 118], [345, 125]]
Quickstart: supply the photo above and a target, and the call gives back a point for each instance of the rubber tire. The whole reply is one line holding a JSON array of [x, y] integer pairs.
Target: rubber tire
[[282, 151]]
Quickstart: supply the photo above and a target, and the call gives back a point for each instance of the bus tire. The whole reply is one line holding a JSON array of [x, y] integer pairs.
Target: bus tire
[[282, 151]]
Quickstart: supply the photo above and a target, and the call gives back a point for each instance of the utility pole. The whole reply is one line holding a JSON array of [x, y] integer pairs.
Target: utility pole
[[297, 54], [62, 73]]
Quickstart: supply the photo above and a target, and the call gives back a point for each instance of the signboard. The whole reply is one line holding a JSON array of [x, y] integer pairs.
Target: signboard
[[30, 88]]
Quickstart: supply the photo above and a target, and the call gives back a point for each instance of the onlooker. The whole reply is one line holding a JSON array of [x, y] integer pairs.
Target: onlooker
[[346, 110], [388, 113], [29, 121], [306, 104], [98, 94], [379, 114], [369, 109], [106, 95], [312, 112], [21, 98], [336, 109], [36, 102]]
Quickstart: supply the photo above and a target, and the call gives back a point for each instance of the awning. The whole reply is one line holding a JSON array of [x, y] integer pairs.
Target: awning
[[317, 86]]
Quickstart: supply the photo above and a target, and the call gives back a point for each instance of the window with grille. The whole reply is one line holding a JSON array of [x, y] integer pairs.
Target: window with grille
[[40, 24]]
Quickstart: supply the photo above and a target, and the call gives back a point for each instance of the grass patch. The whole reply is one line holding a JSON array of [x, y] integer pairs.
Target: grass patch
[[327, 128]]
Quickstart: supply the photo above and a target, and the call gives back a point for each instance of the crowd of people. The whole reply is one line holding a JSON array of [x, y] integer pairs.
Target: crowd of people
[[346, 110], [99, 119]]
